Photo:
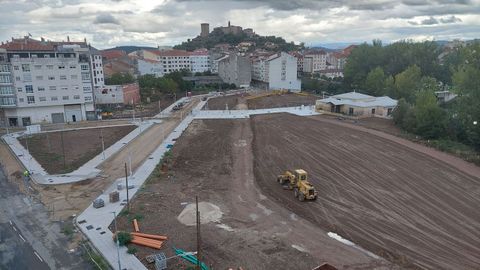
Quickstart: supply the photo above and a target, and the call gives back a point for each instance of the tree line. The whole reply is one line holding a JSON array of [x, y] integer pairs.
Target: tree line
[[412, 73]]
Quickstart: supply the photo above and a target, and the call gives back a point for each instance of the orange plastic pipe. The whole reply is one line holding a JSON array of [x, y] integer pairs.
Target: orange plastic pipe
[[147, 244], [147, 240], [152, 236], [135, 225]]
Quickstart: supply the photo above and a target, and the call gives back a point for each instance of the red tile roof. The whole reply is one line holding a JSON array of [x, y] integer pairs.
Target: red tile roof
[[348, 50], [111, 54], [29, 44]]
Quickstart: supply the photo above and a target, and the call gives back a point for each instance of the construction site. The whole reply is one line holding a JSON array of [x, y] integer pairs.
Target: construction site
[[275, 191]]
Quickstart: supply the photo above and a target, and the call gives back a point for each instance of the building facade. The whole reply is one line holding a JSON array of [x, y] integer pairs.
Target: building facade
[[147, 66], [279, 71], [200, 61], [358, 105], [48, 81], [235, 69]]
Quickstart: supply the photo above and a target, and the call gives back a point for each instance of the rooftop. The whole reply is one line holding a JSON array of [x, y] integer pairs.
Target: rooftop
[[30, 44], [360, 100]]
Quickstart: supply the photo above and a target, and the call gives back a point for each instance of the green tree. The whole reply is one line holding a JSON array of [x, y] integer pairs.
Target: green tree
[[119, 78], [400, 112], [430, 119], [407, 84], [375, 82]]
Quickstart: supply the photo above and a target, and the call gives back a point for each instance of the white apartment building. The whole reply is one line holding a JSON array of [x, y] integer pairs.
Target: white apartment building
[[49, 82], [173, 60], [279, 71], [315, 61], [200, 61], [96, 66]]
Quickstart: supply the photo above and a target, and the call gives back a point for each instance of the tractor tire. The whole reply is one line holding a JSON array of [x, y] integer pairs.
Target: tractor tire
[[295, 192], [301, 197]]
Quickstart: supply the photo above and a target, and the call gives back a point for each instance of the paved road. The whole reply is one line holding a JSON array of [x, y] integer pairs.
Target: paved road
[[28, 240]]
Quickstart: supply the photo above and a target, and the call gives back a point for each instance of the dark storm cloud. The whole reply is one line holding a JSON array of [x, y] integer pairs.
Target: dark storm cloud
[[105, 19]]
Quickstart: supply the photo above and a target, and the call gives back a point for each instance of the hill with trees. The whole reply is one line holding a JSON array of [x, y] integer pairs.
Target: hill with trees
[[218, 37]]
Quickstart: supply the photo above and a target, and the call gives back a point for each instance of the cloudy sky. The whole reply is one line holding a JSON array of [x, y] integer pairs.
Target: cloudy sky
[[107, 23]]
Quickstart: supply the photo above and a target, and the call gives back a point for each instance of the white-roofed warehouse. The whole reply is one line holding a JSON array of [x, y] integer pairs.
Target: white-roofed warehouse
[[357, 104]]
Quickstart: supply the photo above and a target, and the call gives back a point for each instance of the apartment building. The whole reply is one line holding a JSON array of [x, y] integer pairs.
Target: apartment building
[[173, 60], [147, 66], [44, 81], [200, 61], [315, 61], [278, 71]]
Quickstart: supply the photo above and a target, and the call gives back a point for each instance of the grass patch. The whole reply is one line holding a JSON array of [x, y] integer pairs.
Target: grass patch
[[458, 149], [123, 238], [68, 230], [132, 250]]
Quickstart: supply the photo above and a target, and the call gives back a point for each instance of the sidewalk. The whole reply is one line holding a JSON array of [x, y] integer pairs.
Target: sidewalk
[[240, 114], [94, 222], [86, 171]]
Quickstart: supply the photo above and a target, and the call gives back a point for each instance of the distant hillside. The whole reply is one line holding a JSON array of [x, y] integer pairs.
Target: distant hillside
[[269, 43], [130, 49]]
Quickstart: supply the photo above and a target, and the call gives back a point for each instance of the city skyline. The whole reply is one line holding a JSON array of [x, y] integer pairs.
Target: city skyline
[[126, 22]]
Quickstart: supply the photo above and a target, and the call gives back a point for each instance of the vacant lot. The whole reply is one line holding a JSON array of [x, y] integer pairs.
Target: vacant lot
[[285, 100], [233, 102], [213, 160], [78, 146], [394, 201]]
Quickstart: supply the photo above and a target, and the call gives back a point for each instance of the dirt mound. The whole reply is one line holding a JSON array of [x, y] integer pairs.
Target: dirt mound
[[209, 212]]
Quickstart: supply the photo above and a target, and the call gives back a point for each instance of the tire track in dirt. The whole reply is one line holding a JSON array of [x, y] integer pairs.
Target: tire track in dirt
[[389, 199]]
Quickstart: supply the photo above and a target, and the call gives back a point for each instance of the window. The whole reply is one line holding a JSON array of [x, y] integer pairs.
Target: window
[[29, 88], [16, 67], [73, 66], [25, 67], [42, 99], [52, 88], [18, 78], [85, 76], [19, 89], [65, 97], [49, 66], [87, 89], [41, 88], [39, 78], [6, 90], [4, 68], [63, 77], [74, 77], [20, 100], [76, 97], [53, 98], [61, 66], [30, 99], [38, 66], [65, 88], [88, 98], [84, 67], [51, 78], [27, 77], [5, 79]]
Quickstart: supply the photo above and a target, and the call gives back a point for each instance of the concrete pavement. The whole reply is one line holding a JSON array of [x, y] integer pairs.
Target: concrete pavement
[[28, 239], [86, 171]]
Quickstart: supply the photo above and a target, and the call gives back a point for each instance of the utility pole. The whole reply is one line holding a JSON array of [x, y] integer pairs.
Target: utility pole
[[133, 110], [103, 143], [159, 107], [63, 148], [198, 235], [118, 241], [126, 182]]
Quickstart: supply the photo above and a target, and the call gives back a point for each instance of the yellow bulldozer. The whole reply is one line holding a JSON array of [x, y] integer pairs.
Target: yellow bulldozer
[[298, 182]]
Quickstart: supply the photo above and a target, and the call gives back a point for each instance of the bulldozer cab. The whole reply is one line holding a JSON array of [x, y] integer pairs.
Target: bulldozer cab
[[300, 175]]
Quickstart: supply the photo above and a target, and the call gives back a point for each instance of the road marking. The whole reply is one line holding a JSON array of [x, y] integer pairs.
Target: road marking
[[38, 256], [14, 228], [11, 223], [22, 237]]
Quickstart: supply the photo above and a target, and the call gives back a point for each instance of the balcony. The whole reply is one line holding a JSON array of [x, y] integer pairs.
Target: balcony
[[7, 102]]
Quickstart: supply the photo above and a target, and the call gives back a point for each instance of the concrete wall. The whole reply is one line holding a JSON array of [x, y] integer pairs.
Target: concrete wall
[[109, 94], [39, 115], [235, 69], [150, 67]]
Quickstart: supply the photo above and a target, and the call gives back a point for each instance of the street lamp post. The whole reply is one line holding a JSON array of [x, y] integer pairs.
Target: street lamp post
[[118, 241]]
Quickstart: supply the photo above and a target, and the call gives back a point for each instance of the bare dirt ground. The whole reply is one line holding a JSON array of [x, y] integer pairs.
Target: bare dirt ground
[[233, 102], [68, 199], [72, 125], [213, 159], [285, 100], [79, 146], [383, 195]]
